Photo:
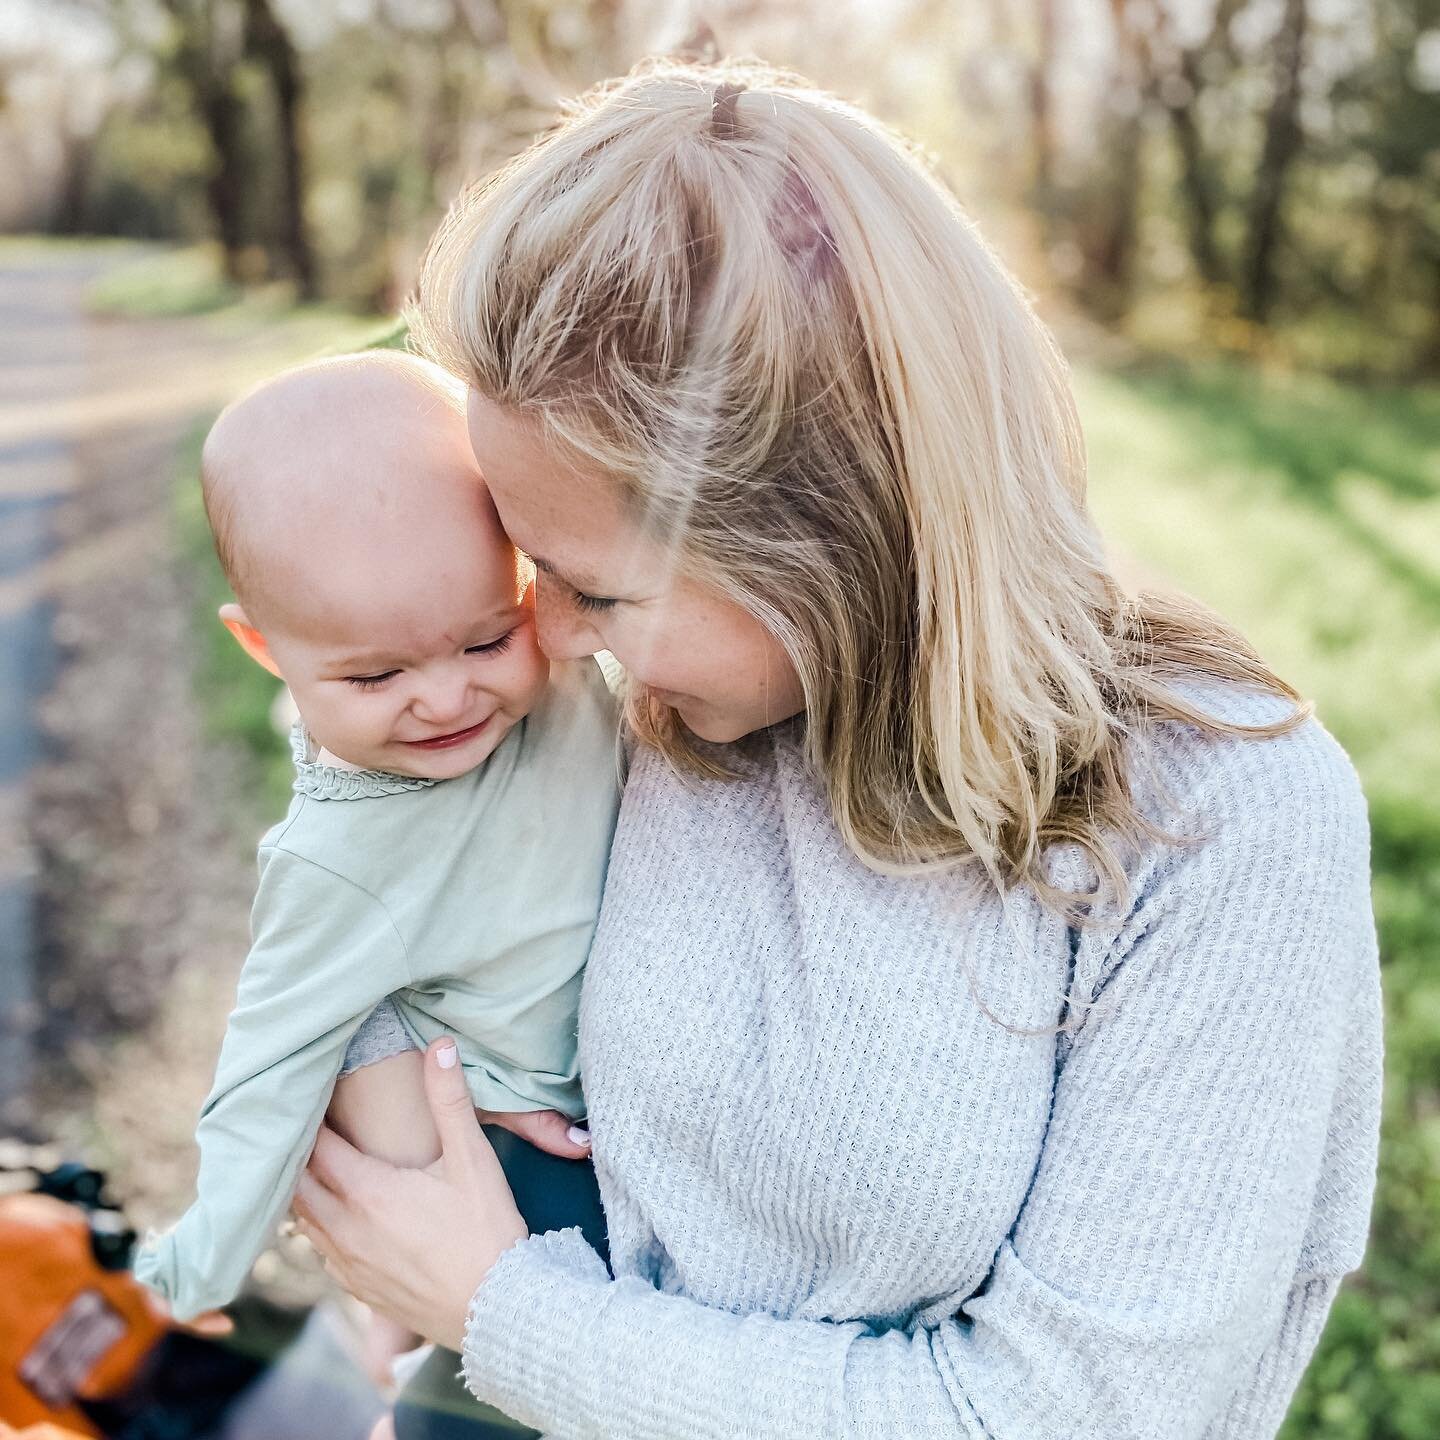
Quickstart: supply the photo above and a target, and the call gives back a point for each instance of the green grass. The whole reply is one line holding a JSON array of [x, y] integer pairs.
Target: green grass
[[1309, 514], [37, 249], [159, 282], [173, 280]]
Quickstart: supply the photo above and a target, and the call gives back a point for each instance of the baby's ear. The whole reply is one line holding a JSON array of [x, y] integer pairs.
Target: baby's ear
[[251, 641]]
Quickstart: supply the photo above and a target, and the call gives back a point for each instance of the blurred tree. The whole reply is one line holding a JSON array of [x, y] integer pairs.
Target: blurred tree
[[1282, 143], [42, 93], [1240, 127], [1391, 114], [1042, 118], [267, 41], [207, 41], [1180, 72], [1245, 167], [211, 42], [82, 117], [1110, 247]]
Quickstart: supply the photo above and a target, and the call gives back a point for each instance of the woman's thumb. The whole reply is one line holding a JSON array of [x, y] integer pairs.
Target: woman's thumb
[[449, 1097]]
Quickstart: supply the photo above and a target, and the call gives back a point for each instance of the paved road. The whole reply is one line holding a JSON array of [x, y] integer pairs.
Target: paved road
[[46, 336], [91, 412]]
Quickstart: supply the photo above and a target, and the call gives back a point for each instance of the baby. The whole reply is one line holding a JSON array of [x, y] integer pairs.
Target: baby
[[454, 800]]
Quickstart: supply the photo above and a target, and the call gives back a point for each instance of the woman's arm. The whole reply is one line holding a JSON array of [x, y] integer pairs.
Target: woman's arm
[[1133, 1301], [1145, 1289]]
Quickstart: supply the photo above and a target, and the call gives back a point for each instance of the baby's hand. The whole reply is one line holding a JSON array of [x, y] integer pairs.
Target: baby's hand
[[547, 1130], [209, 1324]]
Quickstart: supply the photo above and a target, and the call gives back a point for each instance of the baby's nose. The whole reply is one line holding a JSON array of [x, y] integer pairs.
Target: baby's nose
[[442, 698]]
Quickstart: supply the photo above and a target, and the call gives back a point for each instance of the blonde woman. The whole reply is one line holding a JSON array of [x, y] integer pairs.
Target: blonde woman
[[982, 1035]]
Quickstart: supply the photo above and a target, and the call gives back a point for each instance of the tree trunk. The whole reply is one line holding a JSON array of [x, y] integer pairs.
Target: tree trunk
[[72, 201], [267, 42], [1179, 101], [1110, 249], [207, 49], [1042, 120], [1282, 142], [223, 115], [1427, 362]]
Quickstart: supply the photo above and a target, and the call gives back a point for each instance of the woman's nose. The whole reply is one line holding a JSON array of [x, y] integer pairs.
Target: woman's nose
[[563, 633]]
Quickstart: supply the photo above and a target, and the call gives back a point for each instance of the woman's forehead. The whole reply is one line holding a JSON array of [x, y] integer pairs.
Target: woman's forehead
[[569, 520]]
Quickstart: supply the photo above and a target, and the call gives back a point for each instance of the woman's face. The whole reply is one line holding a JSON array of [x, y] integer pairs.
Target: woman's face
[[602, 584]]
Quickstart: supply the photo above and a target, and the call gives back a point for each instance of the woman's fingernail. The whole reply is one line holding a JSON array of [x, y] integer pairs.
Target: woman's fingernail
[[578, 1135], [445, 1056]]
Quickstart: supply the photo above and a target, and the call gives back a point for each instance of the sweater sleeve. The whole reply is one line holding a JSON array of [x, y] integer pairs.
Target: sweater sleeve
[[323, 954], [1159, 1259]]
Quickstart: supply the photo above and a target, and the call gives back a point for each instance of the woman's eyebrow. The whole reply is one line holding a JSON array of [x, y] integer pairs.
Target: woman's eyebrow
[[578, 582]]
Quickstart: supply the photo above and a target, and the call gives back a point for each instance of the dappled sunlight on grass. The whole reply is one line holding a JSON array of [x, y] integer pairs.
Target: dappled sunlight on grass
[[1309, 514]]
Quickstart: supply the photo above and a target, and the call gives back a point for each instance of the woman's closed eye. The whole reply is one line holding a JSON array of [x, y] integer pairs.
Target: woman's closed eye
[[592, 603], [578, 598]]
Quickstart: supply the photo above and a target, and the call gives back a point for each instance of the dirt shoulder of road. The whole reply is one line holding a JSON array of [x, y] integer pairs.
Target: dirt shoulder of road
[[141, 822]]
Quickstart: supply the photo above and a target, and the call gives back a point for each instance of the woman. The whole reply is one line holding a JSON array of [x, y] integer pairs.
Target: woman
[[981, 1036]]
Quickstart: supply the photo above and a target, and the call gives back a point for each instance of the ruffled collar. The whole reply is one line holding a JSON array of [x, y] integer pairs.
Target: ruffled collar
[[334, 782]]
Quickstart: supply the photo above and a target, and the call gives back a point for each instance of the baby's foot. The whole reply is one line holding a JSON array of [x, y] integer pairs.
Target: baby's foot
[[382, 1341]]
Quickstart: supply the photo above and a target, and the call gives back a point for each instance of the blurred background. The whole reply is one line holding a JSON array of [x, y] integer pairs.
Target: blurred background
[[1228, 211]]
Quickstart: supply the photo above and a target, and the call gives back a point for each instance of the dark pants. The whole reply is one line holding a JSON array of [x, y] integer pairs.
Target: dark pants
[[551, 1194]]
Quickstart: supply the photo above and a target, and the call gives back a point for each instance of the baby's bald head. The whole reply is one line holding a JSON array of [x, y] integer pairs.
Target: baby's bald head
[[372, 571], [330, 456]]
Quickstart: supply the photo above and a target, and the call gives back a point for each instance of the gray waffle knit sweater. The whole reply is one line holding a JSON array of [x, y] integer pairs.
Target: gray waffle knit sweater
[[843, 1202]]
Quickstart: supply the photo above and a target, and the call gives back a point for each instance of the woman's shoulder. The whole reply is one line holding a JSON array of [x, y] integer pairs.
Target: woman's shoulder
[[1279, 796], [1301, 760], [1251, 800], [1263, 850]]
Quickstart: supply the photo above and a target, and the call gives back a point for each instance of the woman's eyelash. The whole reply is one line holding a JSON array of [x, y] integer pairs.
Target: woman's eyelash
[[369, 682], [593, 602], [492, 647]]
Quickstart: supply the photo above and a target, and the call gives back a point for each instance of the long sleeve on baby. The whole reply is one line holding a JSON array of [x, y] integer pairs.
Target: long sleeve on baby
[[324, 953]]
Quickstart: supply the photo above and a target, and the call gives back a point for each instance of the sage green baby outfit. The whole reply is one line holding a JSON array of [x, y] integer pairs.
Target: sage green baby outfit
[[470, 901]]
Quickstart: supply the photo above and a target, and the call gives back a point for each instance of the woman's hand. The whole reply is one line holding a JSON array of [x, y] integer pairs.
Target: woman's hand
[[546, 1130], [414, 1244]]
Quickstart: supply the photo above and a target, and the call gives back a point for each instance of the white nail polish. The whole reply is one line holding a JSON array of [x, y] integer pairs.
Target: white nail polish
[[578, 1135], [445, 1056]]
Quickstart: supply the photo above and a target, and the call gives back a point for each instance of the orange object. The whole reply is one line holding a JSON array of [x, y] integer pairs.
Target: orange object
[[69, 1329], [38, 1432]]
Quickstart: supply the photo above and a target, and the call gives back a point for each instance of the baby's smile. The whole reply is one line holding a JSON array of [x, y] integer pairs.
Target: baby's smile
[[448, 742]]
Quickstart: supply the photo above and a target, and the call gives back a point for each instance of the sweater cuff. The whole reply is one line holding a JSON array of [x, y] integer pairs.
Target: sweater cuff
[[523, 1328], [552, 1341]]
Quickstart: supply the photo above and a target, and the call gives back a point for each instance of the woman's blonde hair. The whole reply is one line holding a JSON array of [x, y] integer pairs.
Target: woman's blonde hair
[[756, 308]]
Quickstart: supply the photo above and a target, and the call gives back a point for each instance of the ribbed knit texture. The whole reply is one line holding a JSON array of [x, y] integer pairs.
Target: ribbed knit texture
[[842, 1202]]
